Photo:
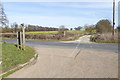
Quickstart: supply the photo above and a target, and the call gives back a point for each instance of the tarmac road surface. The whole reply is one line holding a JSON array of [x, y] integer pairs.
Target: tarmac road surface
[[71, 60]]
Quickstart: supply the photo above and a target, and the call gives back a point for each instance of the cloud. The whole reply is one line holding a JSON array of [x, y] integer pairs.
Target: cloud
[[55, 9], [79, 4], [54, 14], [58, 0]]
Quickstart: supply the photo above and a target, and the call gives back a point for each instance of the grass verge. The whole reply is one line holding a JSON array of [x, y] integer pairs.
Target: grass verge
[[10, 72], [115, 42], [12, 56]]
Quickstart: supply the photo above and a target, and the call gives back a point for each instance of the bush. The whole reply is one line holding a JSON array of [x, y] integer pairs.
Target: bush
[[103, 26], [9, 35], [45, 36], [104, 38]]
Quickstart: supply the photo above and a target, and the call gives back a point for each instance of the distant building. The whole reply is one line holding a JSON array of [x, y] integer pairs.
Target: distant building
[[119, 13]]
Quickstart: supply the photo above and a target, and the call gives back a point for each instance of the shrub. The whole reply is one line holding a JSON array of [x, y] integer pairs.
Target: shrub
[[104, 38], [45, 36], [103, 26]]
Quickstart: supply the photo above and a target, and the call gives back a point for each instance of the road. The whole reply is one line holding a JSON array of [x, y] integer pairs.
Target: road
[[71, 60], [96, 46]]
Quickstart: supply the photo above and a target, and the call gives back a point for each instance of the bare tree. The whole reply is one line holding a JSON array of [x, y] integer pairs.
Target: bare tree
[[3, 19], [14, 27]]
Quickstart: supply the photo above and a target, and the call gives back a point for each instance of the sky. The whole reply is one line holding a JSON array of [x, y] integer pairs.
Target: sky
[[55, 14], [119, 14]]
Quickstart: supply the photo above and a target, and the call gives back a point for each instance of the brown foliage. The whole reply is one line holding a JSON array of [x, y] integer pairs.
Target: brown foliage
[[107, 37], [43, 36]]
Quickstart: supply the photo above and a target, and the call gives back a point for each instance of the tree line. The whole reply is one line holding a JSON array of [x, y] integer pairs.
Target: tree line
[[28, 28], [102, 26]]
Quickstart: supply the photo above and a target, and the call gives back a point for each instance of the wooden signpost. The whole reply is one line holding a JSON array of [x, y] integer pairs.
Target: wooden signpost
[[19, 41], [21, 38]]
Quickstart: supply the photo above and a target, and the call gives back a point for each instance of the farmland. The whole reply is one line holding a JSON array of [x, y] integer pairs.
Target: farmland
[[43, 32], [54, 32]]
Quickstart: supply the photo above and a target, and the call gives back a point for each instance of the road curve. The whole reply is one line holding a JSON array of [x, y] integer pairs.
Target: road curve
[[71, 60]]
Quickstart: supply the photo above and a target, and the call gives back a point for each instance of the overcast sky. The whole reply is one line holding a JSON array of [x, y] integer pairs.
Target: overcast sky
[[54, 14]]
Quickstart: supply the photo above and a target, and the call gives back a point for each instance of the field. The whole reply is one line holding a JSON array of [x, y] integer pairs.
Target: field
[[12, 56], [44, 32], [74, 31], [53, 32]]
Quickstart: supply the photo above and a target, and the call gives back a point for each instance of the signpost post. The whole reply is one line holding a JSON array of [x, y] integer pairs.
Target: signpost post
[[21, 38]]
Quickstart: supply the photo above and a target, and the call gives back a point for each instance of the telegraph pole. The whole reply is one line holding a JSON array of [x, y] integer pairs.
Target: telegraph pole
[[113, 19]]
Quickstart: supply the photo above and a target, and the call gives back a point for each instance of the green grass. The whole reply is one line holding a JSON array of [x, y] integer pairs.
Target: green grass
[[12, 56], [107, 42], [53, 32], [2, 42], [76, 31], [9, 72], [44, 32]]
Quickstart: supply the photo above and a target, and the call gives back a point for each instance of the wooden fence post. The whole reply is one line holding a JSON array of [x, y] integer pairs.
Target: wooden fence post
[[23, 35], [64, 33]]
